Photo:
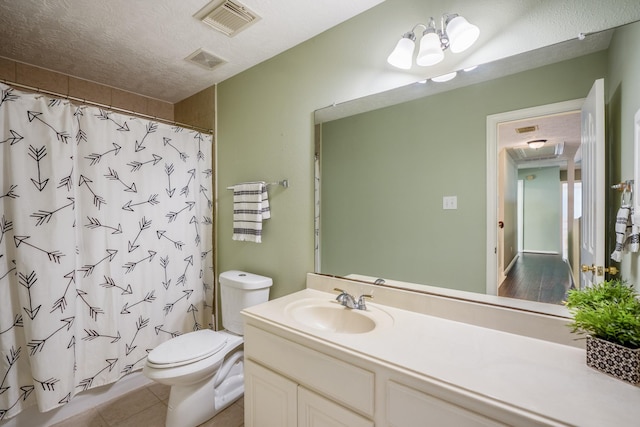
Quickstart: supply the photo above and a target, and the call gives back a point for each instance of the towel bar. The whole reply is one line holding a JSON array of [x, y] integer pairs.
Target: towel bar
[[284, 183]]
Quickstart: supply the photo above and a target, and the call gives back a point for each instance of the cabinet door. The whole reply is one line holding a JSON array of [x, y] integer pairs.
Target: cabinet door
[[407, 407], [316, 411], [269, 399]]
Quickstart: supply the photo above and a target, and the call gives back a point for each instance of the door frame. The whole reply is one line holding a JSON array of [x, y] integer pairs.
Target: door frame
[[492, 175]]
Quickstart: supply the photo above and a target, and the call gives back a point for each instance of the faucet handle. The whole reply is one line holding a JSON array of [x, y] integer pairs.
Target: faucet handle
[[361, 302]]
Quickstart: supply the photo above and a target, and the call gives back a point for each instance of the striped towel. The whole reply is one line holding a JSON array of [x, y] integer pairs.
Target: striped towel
[[250, 208], [623, 228], [634, 237]]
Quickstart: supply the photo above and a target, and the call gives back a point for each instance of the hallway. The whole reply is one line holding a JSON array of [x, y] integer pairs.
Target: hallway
[[537, 277]]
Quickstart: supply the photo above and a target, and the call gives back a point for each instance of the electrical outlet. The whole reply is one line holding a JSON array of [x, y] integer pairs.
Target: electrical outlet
[[450, 202]]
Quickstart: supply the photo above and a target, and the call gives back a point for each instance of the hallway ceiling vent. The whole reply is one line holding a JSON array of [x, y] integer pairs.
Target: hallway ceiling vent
[[205, 59], [226, 16], [527, 129]]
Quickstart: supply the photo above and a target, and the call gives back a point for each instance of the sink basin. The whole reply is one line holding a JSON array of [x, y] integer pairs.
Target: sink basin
[[329, 316]]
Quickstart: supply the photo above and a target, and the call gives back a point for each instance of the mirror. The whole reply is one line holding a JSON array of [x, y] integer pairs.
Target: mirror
[[389, 162]]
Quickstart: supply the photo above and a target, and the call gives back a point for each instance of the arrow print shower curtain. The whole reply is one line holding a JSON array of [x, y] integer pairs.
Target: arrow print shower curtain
[[105, 245]]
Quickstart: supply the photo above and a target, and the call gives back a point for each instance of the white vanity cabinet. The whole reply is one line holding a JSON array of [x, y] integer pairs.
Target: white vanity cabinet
[[316, 411], [408, 407], [414, 369], [290, 384], [273, 400]]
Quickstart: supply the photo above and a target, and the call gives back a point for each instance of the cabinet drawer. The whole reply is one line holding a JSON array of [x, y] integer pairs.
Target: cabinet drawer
[[346, 384], [407, 407]]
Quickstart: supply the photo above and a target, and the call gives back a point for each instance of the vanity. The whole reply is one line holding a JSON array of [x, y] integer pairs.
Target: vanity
[[417, 359]]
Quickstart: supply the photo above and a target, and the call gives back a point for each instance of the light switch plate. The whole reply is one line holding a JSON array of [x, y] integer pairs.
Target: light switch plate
[[450, 202]]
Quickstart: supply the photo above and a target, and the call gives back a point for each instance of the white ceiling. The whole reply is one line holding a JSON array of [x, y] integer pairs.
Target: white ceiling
[[558, 129], [140, 45]]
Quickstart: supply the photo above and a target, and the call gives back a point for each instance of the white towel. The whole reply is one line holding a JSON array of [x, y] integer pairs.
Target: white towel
[[250, 208]]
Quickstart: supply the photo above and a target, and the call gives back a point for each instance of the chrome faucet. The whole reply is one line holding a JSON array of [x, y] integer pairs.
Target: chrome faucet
[[350, 302]]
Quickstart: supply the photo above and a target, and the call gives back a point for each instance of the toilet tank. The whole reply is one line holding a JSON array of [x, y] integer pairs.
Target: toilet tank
[[239, 290]]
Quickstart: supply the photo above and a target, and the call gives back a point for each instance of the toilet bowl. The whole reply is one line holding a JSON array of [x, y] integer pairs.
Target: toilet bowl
[[205, 368]]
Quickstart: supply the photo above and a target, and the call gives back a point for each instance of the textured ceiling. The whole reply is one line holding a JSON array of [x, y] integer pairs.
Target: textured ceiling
[[140, 45], [556, 129]]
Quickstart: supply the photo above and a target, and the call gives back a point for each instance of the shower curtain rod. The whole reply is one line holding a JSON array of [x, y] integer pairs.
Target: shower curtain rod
[[106, 107]]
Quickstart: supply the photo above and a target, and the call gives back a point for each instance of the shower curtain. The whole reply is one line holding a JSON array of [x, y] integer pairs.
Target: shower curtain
[[105, 245]]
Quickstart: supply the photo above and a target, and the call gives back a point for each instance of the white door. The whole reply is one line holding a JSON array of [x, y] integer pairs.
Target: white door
[[593, 187]]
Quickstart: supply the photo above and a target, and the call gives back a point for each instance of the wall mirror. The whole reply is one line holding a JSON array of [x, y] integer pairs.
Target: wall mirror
[[388, 166]]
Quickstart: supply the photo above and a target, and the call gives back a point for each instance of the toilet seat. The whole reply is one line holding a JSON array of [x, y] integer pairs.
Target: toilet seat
[[187, 348]]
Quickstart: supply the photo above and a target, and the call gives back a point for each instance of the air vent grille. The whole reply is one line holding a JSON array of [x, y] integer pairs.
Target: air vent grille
[[527, 129], [205, 59], [228, 17]]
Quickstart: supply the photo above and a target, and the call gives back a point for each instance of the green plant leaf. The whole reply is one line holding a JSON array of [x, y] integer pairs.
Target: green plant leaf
[[609, 310]]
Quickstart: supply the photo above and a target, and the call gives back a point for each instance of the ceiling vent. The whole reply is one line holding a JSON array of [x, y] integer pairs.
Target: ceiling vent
[[527, 129], [226, 16], [205, 59]]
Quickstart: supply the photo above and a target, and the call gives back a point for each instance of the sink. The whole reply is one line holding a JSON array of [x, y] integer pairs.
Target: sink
[[329, 316]]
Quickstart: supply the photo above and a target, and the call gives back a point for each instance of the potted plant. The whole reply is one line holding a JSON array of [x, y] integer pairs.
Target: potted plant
[[609, 312]]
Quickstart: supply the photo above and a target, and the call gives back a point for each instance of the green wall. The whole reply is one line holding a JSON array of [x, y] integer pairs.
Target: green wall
[[385, 172], [265, 121], [542, 205]]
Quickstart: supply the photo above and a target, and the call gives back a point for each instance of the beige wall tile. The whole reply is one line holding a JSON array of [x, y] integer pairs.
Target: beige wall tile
[[42, 79], [197, 110], [7, 69], [160, 109], [128, 101], [201, 108], [89, 91]]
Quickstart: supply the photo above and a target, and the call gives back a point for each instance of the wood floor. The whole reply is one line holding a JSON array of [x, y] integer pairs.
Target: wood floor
[[537, 277]]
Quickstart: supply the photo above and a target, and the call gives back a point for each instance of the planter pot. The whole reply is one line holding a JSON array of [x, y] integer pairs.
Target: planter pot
[[613, 359]]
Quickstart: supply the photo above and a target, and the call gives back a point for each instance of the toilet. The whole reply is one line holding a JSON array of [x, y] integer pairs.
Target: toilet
[[205, 368]]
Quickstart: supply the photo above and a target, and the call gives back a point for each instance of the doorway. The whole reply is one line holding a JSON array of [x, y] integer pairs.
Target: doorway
[[538, 257], [557, 151]]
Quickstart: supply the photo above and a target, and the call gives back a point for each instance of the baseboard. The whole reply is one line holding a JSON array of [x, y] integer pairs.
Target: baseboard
[[80, 403], [511, 264]]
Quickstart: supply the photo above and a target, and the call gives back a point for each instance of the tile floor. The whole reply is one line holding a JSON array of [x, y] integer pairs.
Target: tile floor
[[147, 407]]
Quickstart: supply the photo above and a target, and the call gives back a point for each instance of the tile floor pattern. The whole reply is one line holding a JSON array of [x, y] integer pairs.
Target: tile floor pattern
[[146, 407]]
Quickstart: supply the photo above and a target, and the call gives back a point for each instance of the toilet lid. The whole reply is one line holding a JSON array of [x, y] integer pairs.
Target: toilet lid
[[189, 347]]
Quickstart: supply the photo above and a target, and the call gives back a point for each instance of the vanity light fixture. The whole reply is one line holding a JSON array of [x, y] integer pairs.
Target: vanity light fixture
[[536, 143], [455, 33]]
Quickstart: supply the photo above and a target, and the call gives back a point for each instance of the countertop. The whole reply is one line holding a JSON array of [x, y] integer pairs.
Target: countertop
[[524, 373]]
